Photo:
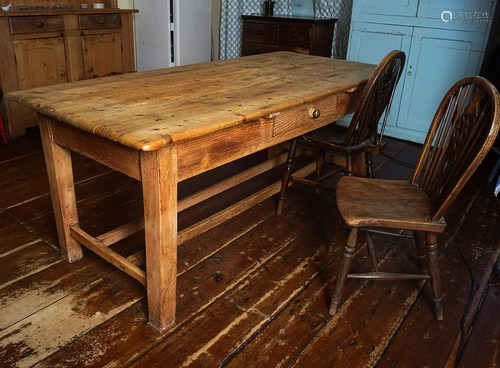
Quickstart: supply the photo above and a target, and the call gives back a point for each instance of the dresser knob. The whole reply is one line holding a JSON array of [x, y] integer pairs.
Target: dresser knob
[[90, 69], [314, 113], [40, 24], [102, 21], [63, 74], [293, 35], [259, 32]]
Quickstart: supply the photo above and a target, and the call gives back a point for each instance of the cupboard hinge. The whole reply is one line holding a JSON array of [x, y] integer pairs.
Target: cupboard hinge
[[172, 27]]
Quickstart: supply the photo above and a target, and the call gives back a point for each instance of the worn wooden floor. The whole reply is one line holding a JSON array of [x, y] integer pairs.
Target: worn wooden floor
[[252, 292]]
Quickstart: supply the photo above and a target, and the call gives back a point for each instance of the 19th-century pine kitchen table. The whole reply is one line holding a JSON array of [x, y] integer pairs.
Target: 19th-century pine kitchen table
[[164, 126]]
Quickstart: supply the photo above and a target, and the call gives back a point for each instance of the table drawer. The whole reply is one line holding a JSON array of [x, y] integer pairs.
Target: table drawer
[[294, 36], [35, 24], [100, 21], [259, 32]]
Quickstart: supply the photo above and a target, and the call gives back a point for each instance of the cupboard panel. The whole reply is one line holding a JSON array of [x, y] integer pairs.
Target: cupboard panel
[[370, 42], [406, 8], [102, 54], [40, 62], [428, 80]]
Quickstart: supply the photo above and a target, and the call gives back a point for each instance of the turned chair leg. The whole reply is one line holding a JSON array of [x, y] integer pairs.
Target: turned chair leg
[[349, 165], [371, 251], [345, 265], [336, 228], [435, 274], [369, 165], [286, 176], [320, 163], [421, 251]]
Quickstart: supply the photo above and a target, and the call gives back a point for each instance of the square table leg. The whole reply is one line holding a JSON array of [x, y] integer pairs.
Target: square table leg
[[62, 190], [159, 183]]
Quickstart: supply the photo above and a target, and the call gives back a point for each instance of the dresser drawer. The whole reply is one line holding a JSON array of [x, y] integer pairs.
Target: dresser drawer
[[35, 24], [100, 21], [255, 48], [258, 32], [294, 36]]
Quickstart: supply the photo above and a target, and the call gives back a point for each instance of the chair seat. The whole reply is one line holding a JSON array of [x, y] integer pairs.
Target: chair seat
[[395, 204]]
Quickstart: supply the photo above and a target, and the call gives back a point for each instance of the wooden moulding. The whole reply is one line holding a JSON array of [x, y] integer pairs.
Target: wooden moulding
[[234, 210], [230, 182], [107, 254], [132, 227], [388, 276], [114, 155], [128, 229]]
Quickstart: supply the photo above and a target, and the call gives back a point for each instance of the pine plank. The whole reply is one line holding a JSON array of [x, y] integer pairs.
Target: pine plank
[[201, 285], [251, 304], [31, 182], [304, 327], [31, 294], [36, 291], [27, 261], [13, 235], [17, 148], [258, 86], [480, 249], [483, 349], [38, 335]]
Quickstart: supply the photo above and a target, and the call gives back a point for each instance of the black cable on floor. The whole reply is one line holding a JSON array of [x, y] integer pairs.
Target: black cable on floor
[[463, 333], [402, 163]]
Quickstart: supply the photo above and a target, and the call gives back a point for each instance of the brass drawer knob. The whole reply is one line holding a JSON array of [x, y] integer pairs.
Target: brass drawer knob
[[314, 113]]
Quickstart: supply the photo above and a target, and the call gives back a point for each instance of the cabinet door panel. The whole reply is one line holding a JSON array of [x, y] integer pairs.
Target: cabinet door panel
[[40, 62], [438, 59], [395, 7], [458, 8], [102, 54], [369, 43]]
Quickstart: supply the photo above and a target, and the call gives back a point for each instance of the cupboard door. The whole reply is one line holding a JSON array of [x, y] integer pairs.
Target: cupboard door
[[406, 8], [102, 54], [437, 60], [369, 43], [40, 62], [460, 9]]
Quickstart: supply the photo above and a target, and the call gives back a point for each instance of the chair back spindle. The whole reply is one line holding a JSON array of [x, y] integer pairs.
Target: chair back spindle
[[376, 101], [461, 134]]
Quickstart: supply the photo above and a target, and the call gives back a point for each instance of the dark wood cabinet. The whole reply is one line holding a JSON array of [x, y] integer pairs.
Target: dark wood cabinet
[[263, 34]]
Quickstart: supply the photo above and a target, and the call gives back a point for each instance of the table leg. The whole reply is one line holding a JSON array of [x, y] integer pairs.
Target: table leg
[[159, 183], [62, 190]]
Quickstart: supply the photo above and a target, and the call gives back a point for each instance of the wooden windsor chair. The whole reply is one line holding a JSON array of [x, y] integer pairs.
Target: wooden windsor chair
[[362, 135], [461, 134]]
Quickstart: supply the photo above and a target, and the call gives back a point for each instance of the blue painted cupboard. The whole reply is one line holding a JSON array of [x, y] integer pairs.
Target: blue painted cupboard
[[444, 41]]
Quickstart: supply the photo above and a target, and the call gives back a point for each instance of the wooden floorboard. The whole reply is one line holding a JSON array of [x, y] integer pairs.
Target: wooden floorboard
[[253, 291], [485, 334]]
